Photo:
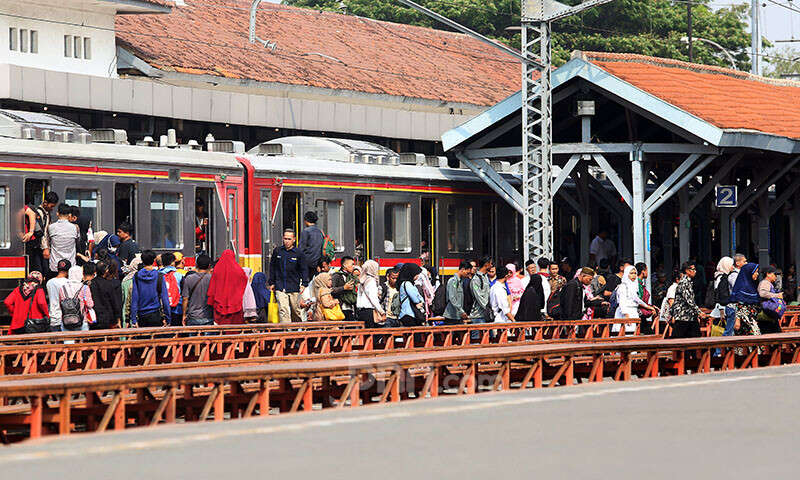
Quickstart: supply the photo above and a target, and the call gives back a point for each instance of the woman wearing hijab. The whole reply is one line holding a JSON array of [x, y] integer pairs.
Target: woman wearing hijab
[[412, 308], [721, 287], [226, 290], [107, 297], [322, 292], [515, 288], [28, 302], [425, 287], [261, 295], [368, 304], [745, 295], [532, 300], [768, 320], [628, 301], [249, 306]]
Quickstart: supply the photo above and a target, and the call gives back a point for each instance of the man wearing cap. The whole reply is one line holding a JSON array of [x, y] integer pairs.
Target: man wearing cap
[[53, 287], [573, 297]]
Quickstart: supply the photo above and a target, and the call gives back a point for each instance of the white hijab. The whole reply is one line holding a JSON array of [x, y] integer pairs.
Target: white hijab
[[632, 286]]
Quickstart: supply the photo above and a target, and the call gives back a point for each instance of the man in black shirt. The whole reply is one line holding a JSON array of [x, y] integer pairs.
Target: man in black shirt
[[311, 240], [128, 248]]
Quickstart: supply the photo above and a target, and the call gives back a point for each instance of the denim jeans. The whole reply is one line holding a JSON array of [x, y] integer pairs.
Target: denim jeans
[[477, 334], [730, 321]]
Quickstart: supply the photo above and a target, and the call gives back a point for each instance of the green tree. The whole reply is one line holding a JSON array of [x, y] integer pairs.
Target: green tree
[[649, 27], [784, 63]]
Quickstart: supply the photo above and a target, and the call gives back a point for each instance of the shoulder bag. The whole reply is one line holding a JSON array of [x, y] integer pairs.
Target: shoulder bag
[[35, 325]]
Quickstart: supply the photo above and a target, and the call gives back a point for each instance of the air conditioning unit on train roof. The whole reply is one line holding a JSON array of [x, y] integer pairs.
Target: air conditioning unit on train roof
[[33, 125], [412, 159], [225, 146], [436, 162], [334, 149], [109, 135]]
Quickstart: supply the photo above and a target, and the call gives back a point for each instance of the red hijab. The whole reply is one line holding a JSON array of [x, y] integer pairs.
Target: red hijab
[[226, 289]]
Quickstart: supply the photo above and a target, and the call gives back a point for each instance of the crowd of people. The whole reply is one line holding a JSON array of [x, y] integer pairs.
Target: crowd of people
[[111, 284]]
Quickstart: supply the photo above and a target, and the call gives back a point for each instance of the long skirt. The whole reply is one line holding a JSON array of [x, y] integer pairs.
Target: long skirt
[[747, 316], [229, 319]]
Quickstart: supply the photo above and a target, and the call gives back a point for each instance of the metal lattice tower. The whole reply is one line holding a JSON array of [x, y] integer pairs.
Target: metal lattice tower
[[537, 120]]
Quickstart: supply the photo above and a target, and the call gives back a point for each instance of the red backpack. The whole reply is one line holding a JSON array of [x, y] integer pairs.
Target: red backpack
[[173, 290]]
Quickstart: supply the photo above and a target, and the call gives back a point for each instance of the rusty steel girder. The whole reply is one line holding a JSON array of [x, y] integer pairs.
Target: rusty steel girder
[[70, 404], [95, 356]]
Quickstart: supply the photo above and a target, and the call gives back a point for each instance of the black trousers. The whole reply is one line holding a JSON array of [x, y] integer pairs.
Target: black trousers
[[681, 329], [366, 315], [349, 315], [769, 326], [36, 261]]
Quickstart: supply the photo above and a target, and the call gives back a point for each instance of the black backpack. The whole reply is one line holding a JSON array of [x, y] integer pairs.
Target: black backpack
[[469, 300], [554, 306], [722, 293], [439, 300], [711, 295], [71, 312]]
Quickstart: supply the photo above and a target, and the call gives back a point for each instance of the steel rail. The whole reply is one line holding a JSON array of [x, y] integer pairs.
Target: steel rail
[[94, 356], [67, 404], [162, 332]]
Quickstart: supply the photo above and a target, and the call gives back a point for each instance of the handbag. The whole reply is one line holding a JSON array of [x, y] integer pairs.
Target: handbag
[[35, 325], [419, 315], [272, 309], [718, 329], [775, 307], [333, 314]]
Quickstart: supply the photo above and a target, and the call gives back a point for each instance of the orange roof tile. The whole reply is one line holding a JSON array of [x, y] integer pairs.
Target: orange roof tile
[[322, 49], [729, 99]]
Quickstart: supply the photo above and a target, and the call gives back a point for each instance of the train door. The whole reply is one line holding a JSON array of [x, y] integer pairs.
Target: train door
[[124, 203], [34, 190], [363, 224], [169, 220], [291, 212], [428, 231], [266, 228], [204, 220]]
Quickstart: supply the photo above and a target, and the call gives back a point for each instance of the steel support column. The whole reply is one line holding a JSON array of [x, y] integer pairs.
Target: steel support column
[[637, 185], [684, 225], [795, 233], [763, 230]]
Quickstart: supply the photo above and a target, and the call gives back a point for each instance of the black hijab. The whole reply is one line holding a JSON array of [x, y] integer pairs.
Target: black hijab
[[407, 273], [532, 301]]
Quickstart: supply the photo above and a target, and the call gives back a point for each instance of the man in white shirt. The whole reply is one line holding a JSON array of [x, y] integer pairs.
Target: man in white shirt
[[63, 237], [53, 287], [498, 297], [601, 247]]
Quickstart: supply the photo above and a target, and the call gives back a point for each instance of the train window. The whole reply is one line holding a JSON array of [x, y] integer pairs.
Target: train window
[[397, 228], [89, 203], [459, 229], [331, 220], [166, 220], [266, 215], [233, 220], [5, 238]]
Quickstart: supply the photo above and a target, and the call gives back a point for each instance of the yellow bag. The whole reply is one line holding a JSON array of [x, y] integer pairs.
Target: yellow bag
[[334, 314], [272, 309], [718, 329]]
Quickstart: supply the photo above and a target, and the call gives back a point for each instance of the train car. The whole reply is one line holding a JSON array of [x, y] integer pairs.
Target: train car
[[165, 193], [375, 204]]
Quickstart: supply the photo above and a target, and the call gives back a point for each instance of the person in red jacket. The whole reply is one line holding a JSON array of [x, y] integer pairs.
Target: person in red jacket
[[19, 304]]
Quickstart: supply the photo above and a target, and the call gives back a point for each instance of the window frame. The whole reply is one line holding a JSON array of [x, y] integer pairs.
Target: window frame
[[410, 247], [5, 224], [13, 39], [339, 242], [470, 248], [23, 40], [87, 48], [179, 235], [67, 46], [98, 202], [77, 47], [34, 41], [232, 218]]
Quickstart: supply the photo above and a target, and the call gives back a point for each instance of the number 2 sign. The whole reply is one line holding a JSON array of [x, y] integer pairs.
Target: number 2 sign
[[726, 196]]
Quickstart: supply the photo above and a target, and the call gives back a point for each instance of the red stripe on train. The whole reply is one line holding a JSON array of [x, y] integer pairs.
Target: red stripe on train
[[12, 262]]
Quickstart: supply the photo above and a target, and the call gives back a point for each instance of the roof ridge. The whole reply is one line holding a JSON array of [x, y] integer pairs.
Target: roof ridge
[[695, 67]]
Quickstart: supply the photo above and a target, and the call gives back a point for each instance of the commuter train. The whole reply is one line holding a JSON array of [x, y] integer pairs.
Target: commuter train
[[373, 202]]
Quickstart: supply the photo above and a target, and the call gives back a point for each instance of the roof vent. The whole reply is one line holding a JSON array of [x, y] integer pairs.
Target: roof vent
[[65, 137], [393, 160], [28, 133], [147, 142], [46, 135], [274, 149], [225, 146], [172, 138], [436, 162], [412, 159], [191, 145], [84, 138], [109, 135]]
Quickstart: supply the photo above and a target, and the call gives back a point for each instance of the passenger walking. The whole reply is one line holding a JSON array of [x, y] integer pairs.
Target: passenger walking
[[628, 301], [685, 313], [63, 237], [76, 301], [533, 300], [746, 299], [324, 299], [195, 307], [388, 289], [37, 243], [556, 280], [27, 306], [173, 281], [573, 296], [498, 298], [772, 304], [226, 290], [107, 296], [543, 272], [665, 315], [53, 287], [514, 287], [412, 308], [311, 241], [127, 286], [426, 288], [249, 307], [480, 312], [645, 315], [128, 248], [345, 288], [454, 313], [288, 275], [368, 303], [261, 294], [722, 292], [149, 296], [739, 261]]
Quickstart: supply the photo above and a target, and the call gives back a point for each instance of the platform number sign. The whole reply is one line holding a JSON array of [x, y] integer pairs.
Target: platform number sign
[[726, 196]]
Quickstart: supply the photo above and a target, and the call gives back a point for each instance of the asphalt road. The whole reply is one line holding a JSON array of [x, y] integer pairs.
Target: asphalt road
[[733, 425]]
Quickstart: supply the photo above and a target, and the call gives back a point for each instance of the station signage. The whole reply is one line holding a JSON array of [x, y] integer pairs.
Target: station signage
[[727, 196]]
